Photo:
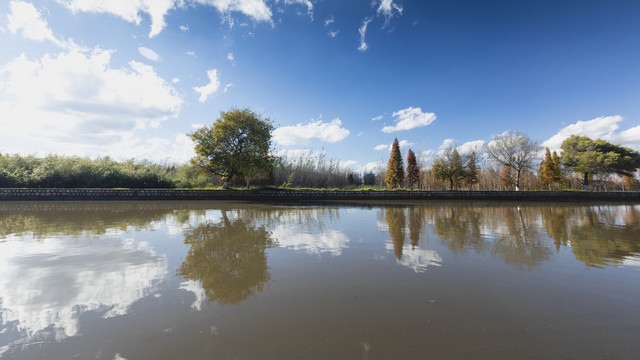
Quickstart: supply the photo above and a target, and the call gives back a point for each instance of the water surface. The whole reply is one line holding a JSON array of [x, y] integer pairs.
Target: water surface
[[224, 280]]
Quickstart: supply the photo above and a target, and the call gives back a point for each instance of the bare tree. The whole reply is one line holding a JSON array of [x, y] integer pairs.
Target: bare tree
[[515, 150]]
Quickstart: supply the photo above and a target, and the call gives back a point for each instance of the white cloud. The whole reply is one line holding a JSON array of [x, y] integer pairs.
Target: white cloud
[[387, 8], [127, 10], [76, 103], [197, 126], [470, 146], [256, 9], [148, 53], [603, 127], [291, 155], [210, 88], [409, 118], [402, 144], [372, 166], [306, 3], [302, 133], [333, 34], [184, 27], [230, 57], [190, 53], [447, 144], [25, 18], [363, 31], [226, 87], [175, 80], [330, 20], [377, 118]]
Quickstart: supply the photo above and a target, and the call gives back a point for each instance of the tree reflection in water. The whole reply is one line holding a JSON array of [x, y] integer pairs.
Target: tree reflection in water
[[597, 235], [228, 259], [397, 222]]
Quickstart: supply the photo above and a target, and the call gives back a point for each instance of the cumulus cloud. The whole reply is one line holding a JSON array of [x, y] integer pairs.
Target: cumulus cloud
[[377, 118], [372, 166], [78, 102], [25, 18], [184, 27], [210, 88], [402, 143], [603, 127], [127, 10], [466, 148], [302, 133], [409, 118], [148, 53], [230, 57], [387, 8], [333, 34], [256, 9], [363, 32], [157, 9]]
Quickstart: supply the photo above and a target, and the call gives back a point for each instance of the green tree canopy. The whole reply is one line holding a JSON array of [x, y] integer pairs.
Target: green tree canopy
[[236, 144], [394, 176], [583, 155]]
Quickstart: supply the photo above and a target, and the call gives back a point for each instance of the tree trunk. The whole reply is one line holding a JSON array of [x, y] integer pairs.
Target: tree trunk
[[518, 180], [585, 182]]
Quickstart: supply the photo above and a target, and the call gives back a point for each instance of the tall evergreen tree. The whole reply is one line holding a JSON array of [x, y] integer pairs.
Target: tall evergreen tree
[[413, 171], [545, 172], [556, 170], [394, 176]]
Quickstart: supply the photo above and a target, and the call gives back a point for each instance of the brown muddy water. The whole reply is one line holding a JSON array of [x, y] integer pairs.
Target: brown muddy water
[[224, 280]]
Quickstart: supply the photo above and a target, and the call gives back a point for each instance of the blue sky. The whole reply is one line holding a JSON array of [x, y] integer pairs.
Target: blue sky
[[130, 79]]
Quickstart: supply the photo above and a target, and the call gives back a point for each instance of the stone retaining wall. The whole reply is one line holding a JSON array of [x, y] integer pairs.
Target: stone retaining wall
[[304, 195]]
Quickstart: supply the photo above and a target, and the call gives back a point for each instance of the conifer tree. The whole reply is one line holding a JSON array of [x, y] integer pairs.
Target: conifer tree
[[556, 171], [394, 176], [545, 172], [505, 177], [413, 171]]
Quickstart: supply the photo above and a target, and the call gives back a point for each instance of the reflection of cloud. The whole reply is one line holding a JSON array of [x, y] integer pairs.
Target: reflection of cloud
[[196, 288], [330, 241], [45, 286], [417, 259]]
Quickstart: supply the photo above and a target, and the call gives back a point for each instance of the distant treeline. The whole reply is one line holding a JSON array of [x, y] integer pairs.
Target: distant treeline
[[56, 171]]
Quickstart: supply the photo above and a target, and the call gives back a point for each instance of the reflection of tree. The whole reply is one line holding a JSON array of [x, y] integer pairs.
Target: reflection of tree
[[416, 223], [593, 234], [43, 219], [522, 245], [513, 239], [460, 225], [397, 221], [228, 259]]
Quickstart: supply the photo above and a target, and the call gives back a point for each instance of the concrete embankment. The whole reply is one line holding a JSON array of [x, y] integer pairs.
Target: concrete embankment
[[81, 194]]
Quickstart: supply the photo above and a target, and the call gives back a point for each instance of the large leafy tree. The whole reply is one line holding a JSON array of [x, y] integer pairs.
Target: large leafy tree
[[583, 155], [236, 144], [394, 177], [449, 167], [514, 150]]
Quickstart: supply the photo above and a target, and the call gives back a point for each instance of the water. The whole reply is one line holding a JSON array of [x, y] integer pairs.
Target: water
[[223, 280]]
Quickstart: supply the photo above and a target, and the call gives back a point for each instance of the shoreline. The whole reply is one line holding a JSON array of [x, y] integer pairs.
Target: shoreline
[[89, 194]]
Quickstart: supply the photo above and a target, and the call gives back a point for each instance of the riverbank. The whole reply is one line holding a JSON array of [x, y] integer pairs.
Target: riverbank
[[83, 194]]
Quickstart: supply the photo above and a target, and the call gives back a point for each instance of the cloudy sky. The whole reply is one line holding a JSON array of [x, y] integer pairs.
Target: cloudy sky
[[130, 79]]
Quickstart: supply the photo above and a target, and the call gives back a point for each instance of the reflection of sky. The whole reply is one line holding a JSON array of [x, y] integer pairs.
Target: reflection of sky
[[196, 288], [329, 241], [46, 285], [417, 259]]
